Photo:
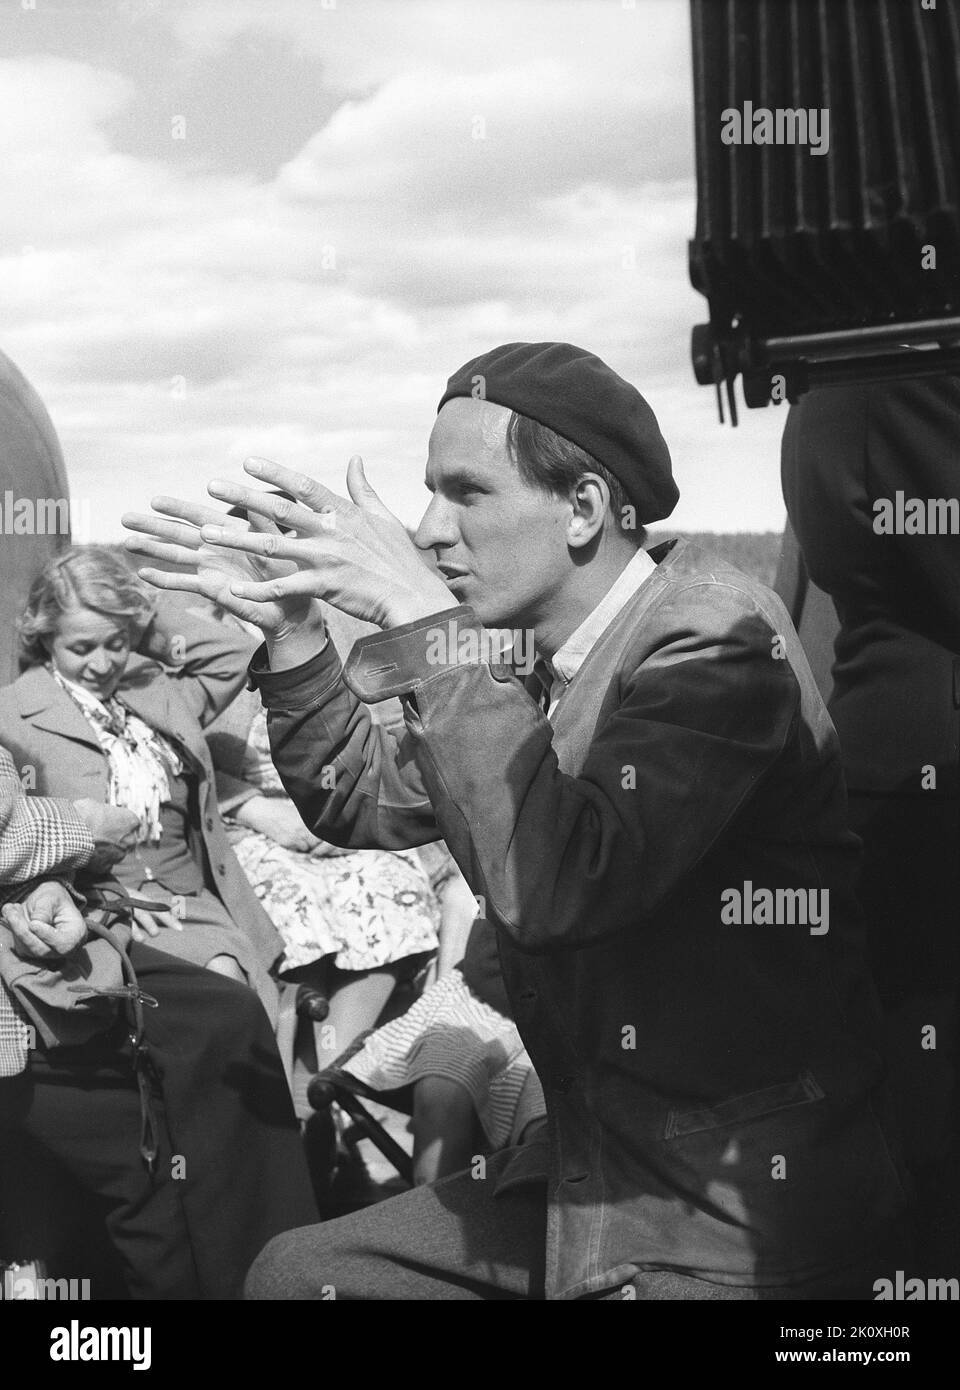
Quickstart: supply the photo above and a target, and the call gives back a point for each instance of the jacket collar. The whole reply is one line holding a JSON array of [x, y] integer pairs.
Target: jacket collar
[[48, 707], [566, 662], [636, 588], [148, 698]]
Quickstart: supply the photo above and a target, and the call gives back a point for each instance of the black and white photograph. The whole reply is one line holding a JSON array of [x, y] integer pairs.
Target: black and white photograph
[[480, 665]]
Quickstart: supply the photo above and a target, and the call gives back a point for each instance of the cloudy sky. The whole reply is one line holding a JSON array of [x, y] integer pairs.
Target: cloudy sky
[[230, 227]]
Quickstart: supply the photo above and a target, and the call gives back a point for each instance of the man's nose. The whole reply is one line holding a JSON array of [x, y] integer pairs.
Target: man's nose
[[436, 526]]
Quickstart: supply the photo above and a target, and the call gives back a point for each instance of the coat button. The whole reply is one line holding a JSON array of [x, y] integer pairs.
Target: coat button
[[563, 1084], [209, 822], [222, 870]]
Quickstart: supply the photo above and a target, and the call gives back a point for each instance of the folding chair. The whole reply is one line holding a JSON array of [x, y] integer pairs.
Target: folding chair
[[334, 1084]]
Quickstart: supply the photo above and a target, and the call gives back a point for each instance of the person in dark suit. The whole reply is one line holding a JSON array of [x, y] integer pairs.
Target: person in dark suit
[[848, 452], [227, 1170], [111, 708], [711, 1072]]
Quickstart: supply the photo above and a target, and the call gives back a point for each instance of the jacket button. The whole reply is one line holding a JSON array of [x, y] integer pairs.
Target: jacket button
[[209, 822], [221, 870], [527, 996], [563, 1084]]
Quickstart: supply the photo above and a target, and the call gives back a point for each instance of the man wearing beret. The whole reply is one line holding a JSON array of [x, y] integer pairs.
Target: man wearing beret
[[653, 820]]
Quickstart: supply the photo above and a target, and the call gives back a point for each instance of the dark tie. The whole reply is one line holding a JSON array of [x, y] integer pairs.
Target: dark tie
[[542, 671]]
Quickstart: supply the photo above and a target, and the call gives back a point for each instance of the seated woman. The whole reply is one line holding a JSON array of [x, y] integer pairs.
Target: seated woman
[[353, 922], [111, 706], [474, 1086]]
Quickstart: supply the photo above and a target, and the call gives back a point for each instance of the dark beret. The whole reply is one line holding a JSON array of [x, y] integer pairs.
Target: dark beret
[[581, 398]]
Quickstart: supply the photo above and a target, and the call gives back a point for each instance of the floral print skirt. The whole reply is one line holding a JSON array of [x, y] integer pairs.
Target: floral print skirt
[[363, 910]]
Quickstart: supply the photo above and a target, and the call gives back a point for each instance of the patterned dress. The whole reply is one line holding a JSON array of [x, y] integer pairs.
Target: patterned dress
[[451, 1033], [363, 909]]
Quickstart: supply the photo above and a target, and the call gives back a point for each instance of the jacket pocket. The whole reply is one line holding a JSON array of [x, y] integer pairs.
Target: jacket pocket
[[751, 1106]]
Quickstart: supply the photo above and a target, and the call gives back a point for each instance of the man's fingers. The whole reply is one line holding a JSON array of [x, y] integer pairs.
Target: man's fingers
[[312, 493], [163, 550], [28, 943], [196, 513], [264, 524], [278, 510], [161, 528], [60, 939], [269, 543], [303, 583], [14, 916], [362, 493], [217, 592], [187, 583]]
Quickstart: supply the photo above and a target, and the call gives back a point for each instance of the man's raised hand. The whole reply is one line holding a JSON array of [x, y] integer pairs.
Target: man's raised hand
[[174, 537], [352, 552]]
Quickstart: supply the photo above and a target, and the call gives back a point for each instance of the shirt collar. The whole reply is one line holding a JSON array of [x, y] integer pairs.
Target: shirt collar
[[566, 662]]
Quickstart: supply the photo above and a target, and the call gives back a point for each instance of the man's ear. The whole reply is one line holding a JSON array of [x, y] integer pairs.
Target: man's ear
[[590, 499]]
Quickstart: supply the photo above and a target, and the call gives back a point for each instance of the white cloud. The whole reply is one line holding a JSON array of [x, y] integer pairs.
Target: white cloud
[[318, 312], [363, 43], [450, 148]]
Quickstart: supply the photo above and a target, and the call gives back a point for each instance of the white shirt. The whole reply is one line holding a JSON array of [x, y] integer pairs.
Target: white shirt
[[566, 662]]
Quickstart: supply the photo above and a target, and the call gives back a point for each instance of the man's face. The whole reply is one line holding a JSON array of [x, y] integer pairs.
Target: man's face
[[500, 545]]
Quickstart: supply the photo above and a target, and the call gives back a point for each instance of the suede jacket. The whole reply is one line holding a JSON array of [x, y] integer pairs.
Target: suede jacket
[[711, 1075]]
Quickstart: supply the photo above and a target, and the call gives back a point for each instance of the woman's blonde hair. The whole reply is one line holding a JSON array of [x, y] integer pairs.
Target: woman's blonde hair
[[87, 576]]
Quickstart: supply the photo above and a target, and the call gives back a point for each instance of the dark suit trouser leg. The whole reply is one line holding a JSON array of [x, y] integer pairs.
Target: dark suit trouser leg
[[454, 1240], [451, 1240], [910, 891], [70, 1167], [230, 1172]]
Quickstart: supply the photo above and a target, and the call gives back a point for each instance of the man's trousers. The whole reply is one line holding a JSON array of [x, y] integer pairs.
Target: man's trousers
[[455, 1240], [230, 1172]]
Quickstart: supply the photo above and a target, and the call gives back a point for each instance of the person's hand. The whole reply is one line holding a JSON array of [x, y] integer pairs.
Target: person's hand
[[47, 923], [279, 820], [151, 640], [352, 552], [114, 832], [323, 849], [147, 925], [174, 537]]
